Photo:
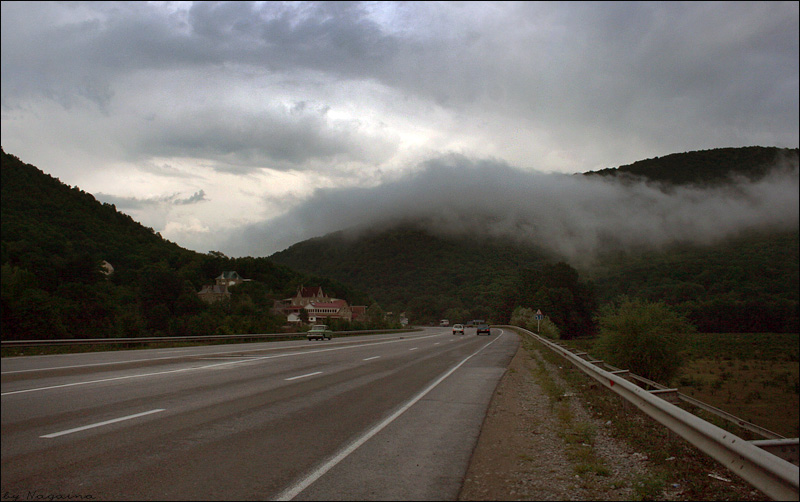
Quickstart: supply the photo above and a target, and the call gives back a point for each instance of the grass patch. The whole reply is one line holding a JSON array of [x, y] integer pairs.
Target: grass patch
[[674, 465], [749, 375], [649, 487], [578, 436]]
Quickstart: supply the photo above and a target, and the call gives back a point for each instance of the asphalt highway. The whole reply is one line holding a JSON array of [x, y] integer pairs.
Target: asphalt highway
[[377, 417]]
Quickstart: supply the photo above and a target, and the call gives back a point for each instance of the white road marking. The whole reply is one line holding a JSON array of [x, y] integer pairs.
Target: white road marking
[[303, 376], [100, 424], [230, 363], [198, 354], [298, 487], [371, 358], [413, 348]]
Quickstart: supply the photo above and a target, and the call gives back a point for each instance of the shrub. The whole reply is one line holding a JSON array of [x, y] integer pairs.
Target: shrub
[[549, 329], [526, 318], [643, 337]]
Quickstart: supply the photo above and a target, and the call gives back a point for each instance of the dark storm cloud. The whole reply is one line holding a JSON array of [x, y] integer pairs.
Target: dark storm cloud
[[280, 137], [68, 61], [331, 36], [573, 216], [62, 54], [600, 79]]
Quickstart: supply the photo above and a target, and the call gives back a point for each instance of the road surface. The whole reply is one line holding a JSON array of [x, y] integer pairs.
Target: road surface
[[378, 417]]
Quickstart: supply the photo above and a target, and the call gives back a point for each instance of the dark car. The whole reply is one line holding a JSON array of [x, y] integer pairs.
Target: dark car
[[483, 328]]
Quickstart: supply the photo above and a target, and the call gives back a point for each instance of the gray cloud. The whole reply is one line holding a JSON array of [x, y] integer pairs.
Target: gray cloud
[[280, 137], [138, 203], [573, 216], [351, 93], [198, 196]]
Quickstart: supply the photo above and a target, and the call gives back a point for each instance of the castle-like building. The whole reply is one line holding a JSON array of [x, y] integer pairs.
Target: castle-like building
[[318, 307]]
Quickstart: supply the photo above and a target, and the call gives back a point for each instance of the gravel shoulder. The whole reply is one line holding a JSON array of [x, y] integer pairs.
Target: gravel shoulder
[[531, 448]]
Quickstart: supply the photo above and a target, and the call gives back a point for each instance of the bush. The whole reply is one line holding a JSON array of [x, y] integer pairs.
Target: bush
[[526, 318], [643, 337], [549, 329]]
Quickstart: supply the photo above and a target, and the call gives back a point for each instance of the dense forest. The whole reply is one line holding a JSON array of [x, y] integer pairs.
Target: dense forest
[[55, 238], [744, 284], [409, 269], [706, 167]]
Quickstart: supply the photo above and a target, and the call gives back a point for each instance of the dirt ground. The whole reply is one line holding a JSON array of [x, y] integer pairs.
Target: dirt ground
[[521, 452]]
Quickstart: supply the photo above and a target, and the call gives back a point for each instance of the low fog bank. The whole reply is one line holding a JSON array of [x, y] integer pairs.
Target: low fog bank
[[575, 217]]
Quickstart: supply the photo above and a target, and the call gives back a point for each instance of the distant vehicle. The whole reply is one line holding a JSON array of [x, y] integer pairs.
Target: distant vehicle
[[444, 322], [483, 328], [319, 332], [458, 329]]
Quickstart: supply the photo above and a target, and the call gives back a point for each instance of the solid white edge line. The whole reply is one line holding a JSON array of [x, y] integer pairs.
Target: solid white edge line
[[371, 358], [298, 487], [99, 424]]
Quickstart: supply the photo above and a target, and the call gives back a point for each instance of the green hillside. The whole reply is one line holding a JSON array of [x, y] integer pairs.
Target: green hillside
[[408, 269], [744, 284], [707, 167], [54, 239]]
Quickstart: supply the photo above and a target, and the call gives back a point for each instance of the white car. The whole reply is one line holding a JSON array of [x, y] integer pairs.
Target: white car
[[319, 332], [458, 329]]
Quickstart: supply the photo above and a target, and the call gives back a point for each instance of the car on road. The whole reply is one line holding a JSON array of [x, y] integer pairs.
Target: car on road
[[458, 329], [483, 328], [319, 332]]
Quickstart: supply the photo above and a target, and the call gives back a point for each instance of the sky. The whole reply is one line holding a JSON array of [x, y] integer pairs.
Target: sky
[[246, 127]]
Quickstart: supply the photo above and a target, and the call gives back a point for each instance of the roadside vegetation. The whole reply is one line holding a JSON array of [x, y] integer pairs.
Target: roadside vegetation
[[754, 376], [643, 337], [676, 469], [578, 436]]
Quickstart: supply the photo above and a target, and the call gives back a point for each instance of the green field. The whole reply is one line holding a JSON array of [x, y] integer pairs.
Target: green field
[[754, 376]]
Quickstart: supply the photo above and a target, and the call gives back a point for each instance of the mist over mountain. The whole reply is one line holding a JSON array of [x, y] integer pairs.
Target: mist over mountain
[[719, 240], [576, 217], [462, 241]]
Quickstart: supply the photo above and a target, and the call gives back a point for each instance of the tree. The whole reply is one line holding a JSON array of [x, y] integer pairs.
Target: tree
[[643, 337], [557, 291]]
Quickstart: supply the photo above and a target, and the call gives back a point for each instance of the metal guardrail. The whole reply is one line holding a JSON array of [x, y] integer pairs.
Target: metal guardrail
[[777, 478], [173, 339], [744, 424]]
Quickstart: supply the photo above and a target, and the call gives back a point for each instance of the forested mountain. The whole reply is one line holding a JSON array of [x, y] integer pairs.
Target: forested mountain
[[54, 239], [409, 269], [744, 284], [707, 167]]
